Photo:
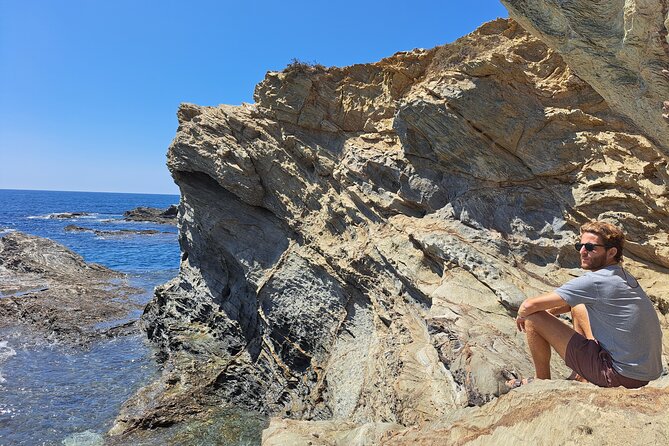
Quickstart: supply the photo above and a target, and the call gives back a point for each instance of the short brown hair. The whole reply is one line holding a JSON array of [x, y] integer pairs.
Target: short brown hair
[[612, 236]]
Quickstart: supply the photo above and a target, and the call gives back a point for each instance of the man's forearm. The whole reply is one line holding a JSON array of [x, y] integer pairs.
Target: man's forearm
[[549, 301], [560, 310]]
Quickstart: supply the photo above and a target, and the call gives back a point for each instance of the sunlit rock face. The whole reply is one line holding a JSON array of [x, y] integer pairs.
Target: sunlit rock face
[[355, 243], [619, 47]]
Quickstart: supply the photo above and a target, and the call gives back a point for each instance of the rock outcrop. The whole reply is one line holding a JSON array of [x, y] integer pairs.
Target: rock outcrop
[[153, 215], [560, 412], [113, 232], [49, 292], [619, 47], [355, 243]]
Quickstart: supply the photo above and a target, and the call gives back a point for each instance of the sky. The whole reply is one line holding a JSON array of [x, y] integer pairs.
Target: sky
[[89, 89]]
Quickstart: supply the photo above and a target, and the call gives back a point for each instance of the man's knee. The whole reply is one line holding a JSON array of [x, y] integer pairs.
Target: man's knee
[[539, 322], [533, 322], [550, 328]]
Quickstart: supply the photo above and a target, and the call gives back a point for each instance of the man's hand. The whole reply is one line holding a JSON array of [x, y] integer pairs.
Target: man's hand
[[520, 323]]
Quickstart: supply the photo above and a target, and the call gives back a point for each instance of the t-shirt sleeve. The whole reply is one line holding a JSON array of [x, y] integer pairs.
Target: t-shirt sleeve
[[581, 290]]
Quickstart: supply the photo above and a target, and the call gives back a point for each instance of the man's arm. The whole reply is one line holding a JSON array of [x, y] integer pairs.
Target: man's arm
[[551, 302], [544, 302]]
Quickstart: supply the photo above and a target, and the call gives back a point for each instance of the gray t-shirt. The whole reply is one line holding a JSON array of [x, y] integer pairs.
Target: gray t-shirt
[[622, 318]]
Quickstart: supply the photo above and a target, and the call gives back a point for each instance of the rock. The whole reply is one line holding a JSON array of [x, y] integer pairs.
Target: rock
[[355, 243], [153, 215], [620, 48], [546, 412], [49, 292], [68, 215], [117, 232], [283, 432]]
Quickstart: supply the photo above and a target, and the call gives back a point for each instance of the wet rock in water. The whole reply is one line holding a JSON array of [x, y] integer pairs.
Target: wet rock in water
[[154, 215], [68, 215], [49, 292], [117, 232], [355, 243]]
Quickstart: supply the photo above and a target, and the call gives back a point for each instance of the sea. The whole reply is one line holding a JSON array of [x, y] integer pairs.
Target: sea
[[55, 395]]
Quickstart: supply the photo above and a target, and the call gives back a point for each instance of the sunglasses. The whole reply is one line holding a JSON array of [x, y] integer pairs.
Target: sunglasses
[[588, 246]]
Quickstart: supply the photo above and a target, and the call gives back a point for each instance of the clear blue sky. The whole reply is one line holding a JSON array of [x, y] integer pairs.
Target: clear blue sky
[[89, 89]]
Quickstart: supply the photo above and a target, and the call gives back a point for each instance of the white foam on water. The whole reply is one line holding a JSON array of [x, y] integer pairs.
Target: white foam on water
[[6, 230], [6, 352], [86, 438], [55, 215]]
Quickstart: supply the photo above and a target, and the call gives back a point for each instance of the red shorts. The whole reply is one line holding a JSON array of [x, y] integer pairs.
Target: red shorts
[[587, 358]]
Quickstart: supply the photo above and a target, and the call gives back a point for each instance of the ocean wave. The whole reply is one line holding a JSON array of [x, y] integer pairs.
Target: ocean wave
[[67, 216], [6, 230], [84, 438], [6, 352]]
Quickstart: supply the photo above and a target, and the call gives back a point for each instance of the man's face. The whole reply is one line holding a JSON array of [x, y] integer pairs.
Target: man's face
[[596, 259]]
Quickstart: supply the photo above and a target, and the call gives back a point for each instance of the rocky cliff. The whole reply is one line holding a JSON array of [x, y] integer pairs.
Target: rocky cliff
[[355, 243]]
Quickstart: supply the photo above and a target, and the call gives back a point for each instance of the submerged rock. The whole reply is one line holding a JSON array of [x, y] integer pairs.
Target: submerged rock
[[68, 215], [117, 232], [49, 292], [355, 243], [153, 215]]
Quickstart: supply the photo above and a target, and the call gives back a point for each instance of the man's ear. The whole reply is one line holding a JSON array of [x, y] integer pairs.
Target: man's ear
[[611, 253]]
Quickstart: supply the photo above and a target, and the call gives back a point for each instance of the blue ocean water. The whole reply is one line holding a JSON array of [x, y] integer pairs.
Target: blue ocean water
[[51, 394]]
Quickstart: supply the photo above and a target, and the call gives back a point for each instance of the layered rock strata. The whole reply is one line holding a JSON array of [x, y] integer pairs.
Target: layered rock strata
[[619, 47], [49, 292], [558, 412], [154, 215], [354, 244]]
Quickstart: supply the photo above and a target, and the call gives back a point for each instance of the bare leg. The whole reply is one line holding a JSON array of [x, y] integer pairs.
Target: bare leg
[[579, 315], [543, 332], [540, 350]]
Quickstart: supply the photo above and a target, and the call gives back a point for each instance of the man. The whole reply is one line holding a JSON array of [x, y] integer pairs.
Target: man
[[627, 345]]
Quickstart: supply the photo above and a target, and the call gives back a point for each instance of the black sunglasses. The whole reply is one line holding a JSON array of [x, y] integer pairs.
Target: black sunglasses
[[588, 246]]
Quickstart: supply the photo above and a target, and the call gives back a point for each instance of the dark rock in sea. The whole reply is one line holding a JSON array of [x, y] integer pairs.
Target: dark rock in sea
[[50, 292], [117, 232], [154, 215], [66, 215]]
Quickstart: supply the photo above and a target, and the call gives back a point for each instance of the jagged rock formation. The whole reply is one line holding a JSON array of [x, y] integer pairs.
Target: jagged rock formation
[[154, 215], [558, 412], [50, 292], [355, 242], [113, 233], [619, 47]]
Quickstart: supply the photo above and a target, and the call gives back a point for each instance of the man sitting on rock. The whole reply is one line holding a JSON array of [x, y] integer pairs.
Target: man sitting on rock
[[627, 345]]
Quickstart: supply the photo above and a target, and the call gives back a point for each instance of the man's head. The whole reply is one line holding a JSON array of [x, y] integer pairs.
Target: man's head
[[607, 242]]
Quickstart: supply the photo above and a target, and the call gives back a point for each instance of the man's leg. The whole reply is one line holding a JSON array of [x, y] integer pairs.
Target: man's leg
[[579, 316], [581, 321], [543, 332]]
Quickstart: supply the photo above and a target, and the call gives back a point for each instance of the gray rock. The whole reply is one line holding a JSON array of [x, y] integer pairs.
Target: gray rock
[[153, 215], [68, 215], [113, 233], [49, 292]]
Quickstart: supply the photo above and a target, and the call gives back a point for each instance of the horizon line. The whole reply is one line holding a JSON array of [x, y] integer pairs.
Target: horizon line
[[90, 191]]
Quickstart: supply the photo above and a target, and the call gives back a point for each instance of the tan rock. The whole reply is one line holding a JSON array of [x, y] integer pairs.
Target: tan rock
[[354, 245], [545, 412], [620, 48]]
